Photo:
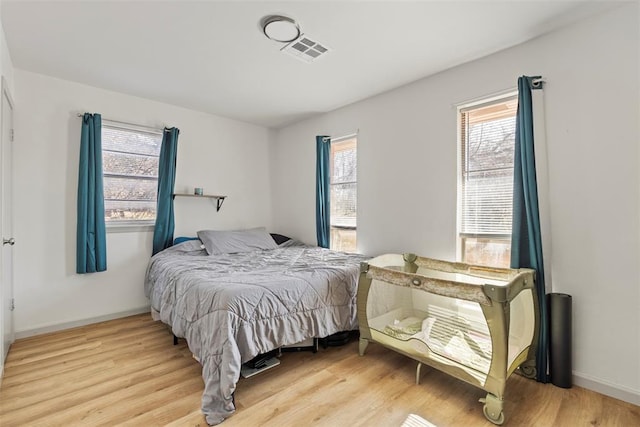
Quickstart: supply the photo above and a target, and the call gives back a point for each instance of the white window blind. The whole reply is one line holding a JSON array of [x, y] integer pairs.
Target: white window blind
[[130, 160], [343, 184], [344, 195], [488, 138]]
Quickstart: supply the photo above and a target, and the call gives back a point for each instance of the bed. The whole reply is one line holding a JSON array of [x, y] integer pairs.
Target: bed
[[231, 307]]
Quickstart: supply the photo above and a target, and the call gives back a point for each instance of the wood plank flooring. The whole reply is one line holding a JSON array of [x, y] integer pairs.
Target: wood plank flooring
[[127, 372]]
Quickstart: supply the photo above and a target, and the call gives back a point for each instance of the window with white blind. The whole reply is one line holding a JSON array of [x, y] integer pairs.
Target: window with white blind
[[487, 140], [344, 195], [130, 158]]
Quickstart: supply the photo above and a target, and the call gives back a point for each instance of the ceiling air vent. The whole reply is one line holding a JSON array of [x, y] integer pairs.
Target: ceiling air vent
[[305, 49]]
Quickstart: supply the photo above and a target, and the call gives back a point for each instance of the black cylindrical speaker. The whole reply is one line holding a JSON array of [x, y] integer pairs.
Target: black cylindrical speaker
[[560, 366]]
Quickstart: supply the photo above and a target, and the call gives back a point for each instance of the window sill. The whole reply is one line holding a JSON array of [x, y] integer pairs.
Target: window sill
[[129, 227]]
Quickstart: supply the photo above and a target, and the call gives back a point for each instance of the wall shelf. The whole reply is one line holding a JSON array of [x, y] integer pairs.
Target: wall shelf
[[219, 199]]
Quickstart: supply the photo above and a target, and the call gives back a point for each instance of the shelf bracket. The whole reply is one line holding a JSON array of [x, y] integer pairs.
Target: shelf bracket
[[219, 203], [219, 199]]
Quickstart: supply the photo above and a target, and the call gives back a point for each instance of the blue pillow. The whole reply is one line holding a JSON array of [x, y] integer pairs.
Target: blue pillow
[[183, 239]]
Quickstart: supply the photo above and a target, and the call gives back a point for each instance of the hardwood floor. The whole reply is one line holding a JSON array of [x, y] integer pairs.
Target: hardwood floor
[[127, 372]]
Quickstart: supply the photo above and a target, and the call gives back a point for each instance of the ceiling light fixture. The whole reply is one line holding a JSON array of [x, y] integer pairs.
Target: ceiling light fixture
[[280, 28]]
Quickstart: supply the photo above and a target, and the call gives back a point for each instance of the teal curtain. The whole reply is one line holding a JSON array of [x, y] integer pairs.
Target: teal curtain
[[323, 212], [526, 239], [163, 231], [91, 239]]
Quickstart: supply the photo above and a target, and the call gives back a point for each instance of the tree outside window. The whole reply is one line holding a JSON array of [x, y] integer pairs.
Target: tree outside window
[[130, 172], [344, 194], [487, 142]]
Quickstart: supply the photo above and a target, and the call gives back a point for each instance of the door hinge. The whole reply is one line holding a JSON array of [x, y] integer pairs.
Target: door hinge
[[12, 306], [11, 137]]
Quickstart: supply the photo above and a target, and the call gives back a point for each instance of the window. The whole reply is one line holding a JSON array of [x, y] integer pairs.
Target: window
[[343, 194], [130, 159], [487, 140]]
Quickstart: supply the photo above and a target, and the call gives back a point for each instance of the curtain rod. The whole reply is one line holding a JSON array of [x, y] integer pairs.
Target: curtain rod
[[537, 82], [131, 124], [341, 138], [345, 137]]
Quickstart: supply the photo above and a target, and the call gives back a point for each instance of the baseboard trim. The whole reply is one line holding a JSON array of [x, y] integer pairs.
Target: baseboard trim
[[76, 323], [609, 389]]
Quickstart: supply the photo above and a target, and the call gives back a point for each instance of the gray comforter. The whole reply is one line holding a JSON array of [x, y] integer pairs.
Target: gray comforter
[[233, 307]]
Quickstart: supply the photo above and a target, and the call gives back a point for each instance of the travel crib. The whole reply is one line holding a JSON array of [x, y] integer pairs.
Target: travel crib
[[478, 324]]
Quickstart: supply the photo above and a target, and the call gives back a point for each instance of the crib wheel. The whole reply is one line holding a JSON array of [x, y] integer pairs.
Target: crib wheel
[[528, 369], [492, 409], [496, 420]]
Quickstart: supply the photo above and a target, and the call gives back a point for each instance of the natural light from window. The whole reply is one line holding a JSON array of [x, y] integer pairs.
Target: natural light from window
[[130, 168], [487, 140], [344, 194]]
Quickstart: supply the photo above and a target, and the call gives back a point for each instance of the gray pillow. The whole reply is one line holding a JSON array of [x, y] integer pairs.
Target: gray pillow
[[234, 241]]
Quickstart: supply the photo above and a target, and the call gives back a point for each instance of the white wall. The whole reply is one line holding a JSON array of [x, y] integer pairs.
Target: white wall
[[407, 177], [223, 156], [5, 62], [6, 70]]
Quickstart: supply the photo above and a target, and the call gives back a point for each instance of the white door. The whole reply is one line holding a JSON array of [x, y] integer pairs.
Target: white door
[[6, 208]]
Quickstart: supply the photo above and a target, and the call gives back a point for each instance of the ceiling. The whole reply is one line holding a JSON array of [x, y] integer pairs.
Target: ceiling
[[211, 56]]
